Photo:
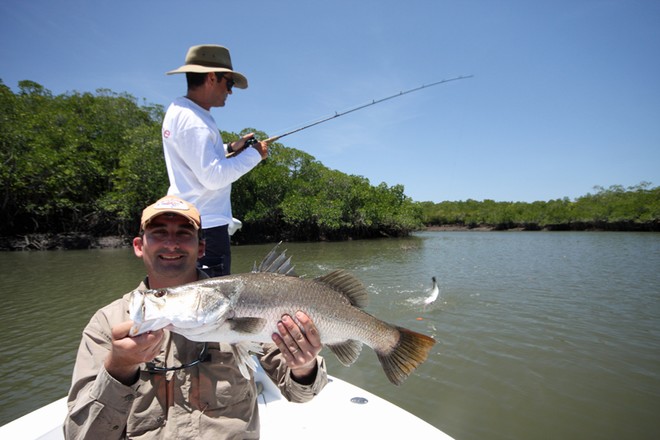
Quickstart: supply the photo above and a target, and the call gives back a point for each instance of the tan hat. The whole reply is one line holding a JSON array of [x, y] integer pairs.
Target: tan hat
[[210, 58], [173, 205]]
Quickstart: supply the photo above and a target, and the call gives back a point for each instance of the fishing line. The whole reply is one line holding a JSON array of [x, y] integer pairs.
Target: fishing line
[[252, 141]]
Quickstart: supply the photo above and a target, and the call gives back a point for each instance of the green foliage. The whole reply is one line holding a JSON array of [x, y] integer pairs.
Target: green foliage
[[293, 196], [633, 208], [139, 179], [91, 162], [61, 156]]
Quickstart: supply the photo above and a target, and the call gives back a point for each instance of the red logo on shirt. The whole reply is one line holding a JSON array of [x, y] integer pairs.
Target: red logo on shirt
[[166, 134]]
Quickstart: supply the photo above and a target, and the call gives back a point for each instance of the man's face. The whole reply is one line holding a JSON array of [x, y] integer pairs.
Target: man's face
[[220, 89], [170, 248]]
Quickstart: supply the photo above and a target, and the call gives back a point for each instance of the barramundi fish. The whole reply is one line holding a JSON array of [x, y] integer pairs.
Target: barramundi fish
[[243, 310], [433, 294]]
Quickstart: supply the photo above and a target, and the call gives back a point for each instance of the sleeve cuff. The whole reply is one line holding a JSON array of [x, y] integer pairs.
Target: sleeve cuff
[[112, 393], [303, 393]]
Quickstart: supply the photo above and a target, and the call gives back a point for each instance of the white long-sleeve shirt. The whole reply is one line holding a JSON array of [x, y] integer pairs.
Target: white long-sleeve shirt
[[197, 166]]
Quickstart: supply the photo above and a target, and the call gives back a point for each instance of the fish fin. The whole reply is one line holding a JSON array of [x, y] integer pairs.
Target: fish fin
[[347, 352], [276, 263], [242, 351], [411, 350], [348, 285], [247, 325]]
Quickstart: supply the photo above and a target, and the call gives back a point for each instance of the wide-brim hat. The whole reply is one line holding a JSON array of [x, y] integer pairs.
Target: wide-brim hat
[[171, 205], [210, 58]]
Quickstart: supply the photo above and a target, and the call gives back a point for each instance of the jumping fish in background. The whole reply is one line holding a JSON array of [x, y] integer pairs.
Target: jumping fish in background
[[433, 293], [243, 310]]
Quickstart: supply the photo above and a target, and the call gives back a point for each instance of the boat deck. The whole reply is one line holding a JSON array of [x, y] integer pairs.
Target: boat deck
[[340, 411]]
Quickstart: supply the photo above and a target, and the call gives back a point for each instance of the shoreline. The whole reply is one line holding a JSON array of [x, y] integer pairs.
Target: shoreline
[[82, 241], [459, 228], [67, 241]]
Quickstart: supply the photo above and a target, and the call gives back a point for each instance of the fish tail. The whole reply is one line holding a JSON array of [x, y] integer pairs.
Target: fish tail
[[411, 350]]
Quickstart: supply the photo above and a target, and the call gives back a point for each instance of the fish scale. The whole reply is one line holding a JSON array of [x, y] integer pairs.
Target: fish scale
[[331, 311]]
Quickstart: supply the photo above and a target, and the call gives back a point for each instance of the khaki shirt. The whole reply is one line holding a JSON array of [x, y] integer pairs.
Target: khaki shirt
[[208, 400]]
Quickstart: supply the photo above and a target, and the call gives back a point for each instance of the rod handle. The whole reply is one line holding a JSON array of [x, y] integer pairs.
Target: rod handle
[[252, 141]]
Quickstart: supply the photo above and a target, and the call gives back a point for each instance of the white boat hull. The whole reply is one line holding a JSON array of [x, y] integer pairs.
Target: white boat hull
[[340, 411]]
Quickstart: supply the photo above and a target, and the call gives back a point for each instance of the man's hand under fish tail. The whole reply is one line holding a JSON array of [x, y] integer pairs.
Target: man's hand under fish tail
[[299, 344], [128, 353]]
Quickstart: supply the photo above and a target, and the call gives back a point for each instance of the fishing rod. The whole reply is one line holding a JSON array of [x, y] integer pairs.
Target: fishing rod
[[253, 141]]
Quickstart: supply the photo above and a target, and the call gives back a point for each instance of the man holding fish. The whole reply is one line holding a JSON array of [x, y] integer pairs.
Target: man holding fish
[[160, 384]]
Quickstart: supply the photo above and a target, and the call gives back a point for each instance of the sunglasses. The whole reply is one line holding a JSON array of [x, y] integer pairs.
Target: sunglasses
[[230, 82], [203, 357]]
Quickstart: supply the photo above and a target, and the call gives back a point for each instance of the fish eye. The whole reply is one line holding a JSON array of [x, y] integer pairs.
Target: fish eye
[[160, 293]]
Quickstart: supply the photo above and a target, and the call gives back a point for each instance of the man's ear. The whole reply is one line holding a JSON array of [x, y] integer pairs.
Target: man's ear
[[201, 249], [137, 246]]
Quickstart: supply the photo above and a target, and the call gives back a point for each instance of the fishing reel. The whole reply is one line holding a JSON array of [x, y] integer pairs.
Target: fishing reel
[[250, 142]]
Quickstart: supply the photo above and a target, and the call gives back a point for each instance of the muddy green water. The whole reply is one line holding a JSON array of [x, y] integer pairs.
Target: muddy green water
[[540, 335]]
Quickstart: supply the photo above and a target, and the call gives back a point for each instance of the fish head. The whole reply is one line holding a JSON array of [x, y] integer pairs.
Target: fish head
[[192, 308]]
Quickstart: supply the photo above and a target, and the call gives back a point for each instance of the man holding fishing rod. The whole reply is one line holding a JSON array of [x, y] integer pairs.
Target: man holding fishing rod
[[160, 385], [198, 168]]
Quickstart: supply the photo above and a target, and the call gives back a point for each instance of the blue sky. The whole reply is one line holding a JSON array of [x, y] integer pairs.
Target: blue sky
[[565, 94]]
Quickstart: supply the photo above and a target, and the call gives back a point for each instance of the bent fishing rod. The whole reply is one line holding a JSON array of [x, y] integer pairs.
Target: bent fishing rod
[[253, 141]]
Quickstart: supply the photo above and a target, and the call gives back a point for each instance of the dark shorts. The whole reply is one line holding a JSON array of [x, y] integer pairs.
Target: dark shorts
[[218, 253]]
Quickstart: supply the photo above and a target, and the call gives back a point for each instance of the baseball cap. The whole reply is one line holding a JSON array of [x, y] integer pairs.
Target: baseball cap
[[173, 205]]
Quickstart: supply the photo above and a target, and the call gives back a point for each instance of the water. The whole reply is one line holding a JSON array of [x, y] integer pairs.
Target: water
[[540, 334]]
